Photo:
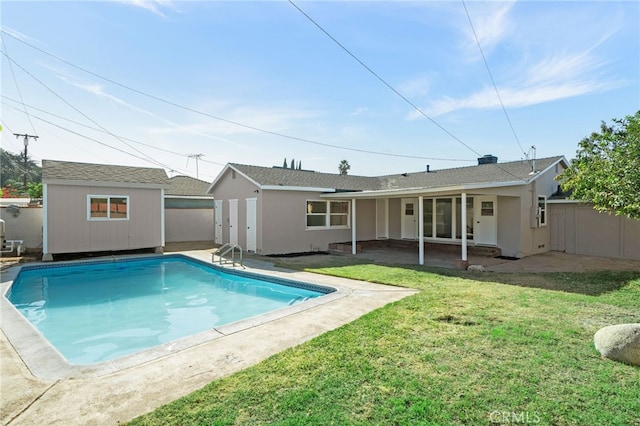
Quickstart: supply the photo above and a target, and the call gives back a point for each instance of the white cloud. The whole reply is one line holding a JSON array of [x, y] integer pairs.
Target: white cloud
[[418, 86], [492, 24], [153, 6]]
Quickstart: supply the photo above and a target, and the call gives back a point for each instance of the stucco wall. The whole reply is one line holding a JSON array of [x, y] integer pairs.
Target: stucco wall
[[365, 220], [69, 231], [27, 226]]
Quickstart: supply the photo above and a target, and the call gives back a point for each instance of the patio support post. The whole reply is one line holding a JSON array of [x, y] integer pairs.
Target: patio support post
[[420, 230], [463, 221], [353, 226]]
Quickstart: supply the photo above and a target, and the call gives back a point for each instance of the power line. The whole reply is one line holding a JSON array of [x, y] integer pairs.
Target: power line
[[100, 130], [383, 81], [18, 88], [148, 159], [486, 64], [247, 126]]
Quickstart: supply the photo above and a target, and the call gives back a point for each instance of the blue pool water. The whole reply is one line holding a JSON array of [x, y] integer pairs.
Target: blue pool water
[[104, 310]]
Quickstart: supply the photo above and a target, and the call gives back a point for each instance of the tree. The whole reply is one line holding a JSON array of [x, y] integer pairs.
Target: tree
[[344, 167], [606, 171], [284, 165], [293, 164], [12, 171]]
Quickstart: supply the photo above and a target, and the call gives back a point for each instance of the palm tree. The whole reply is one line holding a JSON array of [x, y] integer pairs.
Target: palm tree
[[344, 167]]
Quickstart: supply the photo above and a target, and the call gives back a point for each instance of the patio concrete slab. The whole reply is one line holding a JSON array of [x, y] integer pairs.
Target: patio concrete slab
[[121, 395]]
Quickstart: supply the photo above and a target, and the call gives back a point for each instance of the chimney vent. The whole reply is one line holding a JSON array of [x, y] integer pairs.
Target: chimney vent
[[487, 159], [428, 168]]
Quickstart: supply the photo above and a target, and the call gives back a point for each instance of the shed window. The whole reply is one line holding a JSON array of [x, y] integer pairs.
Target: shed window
[[107, 207]]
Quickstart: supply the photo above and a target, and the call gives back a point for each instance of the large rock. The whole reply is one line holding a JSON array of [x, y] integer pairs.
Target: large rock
[[619, 342]]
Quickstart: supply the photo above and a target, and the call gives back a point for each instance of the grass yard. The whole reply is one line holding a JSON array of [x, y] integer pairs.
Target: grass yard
[[468, 349]]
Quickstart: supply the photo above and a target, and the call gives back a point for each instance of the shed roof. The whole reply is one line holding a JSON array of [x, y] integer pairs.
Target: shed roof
[[187, 186], [88, 172]]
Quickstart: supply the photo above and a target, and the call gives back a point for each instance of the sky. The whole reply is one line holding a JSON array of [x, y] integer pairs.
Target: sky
[[389, 86]]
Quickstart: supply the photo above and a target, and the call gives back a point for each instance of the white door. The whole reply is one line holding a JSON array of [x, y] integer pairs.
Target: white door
[[409, 215], [233, 222], [251, 225], [217, 220], [485, 214]]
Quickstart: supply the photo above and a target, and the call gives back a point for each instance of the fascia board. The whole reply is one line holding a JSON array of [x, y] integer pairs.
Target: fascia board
[[422, 191], [295, 188], [227, 167]]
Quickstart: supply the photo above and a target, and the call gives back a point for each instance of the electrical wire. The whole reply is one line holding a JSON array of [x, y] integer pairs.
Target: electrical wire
[[35, 132], [147, 158], [239, 124], [100, 130], [493, 82], [389, 86]]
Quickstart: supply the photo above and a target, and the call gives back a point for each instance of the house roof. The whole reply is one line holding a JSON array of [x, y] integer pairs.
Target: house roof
[[87, 172], [509, 173], [187, 186]]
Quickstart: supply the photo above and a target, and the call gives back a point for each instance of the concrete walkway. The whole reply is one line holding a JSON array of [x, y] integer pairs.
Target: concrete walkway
[[111, 395]]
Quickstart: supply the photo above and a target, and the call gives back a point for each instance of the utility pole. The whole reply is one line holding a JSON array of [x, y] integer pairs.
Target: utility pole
[[197, 157], [26, 158]]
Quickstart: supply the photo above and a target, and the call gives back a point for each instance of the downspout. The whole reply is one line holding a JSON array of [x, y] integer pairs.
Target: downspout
[[420, 230], [353, 226]]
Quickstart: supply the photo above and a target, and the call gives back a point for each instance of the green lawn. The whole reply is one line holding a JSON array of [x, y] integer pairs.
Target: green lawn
[[468, 349]]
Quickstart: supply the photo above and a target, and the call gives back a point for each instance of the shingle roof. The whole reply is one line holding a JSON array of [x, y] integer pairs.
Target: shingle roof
[[278, 176], [479, 174], [70, 171], [186, 185]]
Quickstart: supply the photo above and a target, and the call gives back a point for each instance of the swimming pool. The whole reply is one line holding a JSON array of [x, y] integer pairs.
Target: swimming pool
[[98, 311]]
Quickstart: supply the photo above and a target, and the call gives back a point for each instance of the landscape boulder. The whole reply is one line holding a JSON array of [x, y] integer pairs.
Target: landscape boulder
[[619, 342]]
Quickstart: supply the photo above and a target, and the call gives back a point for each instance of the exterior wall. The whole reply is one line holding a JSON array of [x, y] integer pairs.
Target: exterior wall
[[188, 225], [395, 218], [579, 229], [284, 229], [509, 222], [69, 231], [27, 226], [365, 220], [240, 189]]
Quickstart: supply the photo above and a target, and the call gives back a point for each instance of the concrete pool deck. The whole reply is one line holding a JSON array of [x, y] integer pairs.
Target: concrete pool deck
[[118, 393]]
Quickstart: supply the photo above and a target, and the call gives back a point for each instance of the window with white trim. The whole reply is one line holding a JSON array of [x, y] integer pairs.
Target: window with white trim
[[327, 214], [107, 207], [542, 210]]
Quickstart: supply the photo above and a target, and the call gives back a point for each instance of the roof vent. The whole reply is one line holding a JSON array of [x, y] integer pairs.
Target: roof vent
[[487, 159]]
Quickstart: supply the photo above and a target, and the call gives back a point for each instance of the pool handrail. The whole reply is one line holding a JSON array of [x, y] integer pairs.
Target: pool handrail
[[223, 250]]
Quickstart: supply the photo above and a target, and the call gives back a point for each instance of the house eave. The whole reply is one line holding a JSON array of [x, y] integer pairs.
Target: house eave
[[422, 191], [296, 188]]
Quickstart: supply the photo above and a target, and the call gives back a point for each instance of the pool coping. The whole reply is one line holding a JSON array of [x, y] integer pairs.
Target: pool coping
[[45, 361], [127, 393]]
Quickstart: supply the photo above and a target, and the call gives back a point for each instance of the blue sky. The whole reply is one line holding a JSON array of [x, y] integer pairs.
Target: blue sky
[[258, 82]]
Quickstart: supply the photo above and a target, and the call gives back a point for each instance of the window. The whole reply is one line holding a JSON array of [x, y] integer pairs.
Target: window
[[327, 214], [105, 207], [467, 226], [487, 208], [542, 210], [443, 217]]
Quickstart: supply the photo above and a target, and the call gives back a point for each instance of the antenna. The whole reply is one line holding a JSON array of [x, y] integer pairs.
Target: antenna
[[197, 157]]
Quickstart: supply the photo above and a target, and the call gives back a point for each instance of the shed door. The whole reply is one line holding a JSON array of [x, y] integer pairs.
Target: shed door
[[233, 222], [251, 225], [217, 220]]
